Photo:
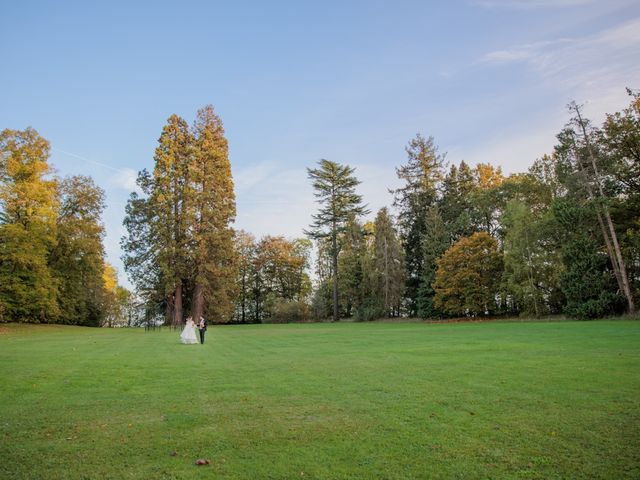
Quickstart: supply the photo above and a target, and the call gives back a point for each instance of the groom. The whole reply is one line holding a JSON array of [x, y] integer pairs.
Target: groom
[[202, 326]]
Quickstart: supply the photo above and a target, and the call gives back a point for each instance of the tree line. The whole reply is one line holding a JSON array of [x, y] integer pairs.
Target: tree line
[[562, 237], [458, 240]]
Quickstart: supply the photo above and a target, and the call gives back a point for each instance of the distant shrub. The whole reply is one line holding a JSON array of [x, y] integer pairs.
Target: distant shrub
[[288, 312], [368, 312]]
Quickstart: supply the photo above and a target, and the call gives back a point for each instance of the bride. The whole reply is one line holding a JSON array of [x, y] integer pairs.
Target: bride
[[188, 335]]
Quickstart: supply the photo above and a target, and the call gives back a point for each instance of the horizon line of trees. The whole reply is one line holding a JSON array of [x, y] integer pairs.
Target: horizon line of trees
[[563, 237]]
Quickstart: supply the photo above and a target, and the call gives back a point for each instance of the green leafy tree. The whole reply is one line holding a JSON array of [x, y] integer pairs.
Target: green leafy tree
[[77, 260], [388, 265], [620, 140], [334, 186], [582, 162], [246, 248], [28, 200], [486, 198], [353, 265], [468, 276], [532, 266]]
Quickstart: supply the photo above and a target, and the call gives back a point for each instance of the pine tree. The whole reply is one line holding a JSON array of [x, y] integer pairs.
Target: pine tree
[[423, 175], [455, 206], [214, 204], [587, 279], [28, 290], [334, 186], [435, 242]]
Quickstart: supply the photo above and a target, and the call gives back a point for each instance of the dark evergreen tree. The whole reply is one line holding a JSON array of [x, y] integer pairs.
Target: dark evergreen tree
[[422, 176], [334, 186]]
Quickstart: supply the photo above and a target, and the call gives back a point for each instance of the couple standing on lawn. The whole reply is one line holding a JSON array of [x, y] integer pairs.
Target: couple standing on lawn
[[188, 334]]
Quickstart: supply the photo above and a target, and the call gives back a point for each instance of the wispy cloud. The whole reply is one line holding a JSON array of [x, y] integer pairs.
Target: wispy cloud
[[587, 68], [593, 70], [122, 178], [522, 53], [125, 179], [612, 52], [529, 4]]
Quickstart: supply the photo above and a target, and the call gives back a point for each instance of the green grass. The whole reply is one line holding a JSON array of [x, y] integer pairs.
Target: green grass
[[383, 400]]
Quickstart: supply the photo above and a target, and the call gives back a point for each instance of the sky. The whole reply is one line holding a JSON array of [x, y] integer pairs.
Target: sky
[[350, 81]]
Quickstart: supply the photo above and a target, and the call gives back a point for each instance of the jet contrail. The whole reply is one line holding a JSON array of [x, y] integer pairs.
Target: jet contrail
[[90, 161]]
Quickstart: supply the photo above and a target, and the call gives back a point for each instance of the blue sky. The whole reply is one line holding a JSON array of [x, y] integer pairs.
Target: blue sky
[[351, 81]]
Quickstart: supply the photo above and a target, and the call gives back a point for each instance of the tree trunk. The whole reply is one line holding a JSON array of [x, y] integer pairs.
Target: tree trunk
[[197, 309], [334, 253], [386, 278], [244, 296], [168, 320], [177, 308]]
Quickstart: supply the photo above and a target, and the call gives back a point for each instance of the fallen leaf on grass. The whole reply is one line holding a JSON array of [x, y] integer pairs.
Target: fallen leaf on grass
[[202, 461]]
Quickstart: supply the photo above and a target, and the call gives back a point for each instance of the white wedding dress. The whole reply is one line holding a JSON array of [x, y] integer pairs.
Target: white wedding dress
[[188, 335]]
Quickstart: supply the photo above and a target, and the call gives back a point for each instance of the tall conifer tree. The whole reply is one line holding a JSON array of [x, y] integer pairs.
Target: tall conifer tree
[[214, 206], [422, 176], [172, 198], [334, 186]]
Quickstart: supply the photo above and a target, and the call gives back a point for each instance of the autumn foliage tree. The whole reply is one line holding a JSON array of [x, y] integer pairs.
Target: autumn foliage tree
[[51, 233], [29, 203], [173, 212], [214, 204], [179, 249], [468, 276]]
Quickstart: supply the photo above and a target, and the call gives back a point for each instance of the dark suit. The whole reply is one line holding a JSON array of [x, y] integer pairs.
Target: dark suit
[[202, 326]]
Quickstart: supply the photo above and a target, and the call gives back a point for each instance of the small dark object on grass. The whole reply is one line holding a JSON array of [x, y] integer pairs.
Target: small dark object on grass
[[173, 454], [202, 461]]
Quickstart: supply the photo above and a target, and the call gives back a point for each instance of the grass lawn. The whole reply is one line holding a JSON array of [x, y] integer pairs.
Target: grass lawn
[[380, 400]]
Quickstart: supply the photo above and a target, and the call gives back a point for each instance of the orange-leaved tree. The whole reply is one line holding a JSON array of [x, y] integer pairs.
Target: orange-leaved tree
[[468, 276]]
